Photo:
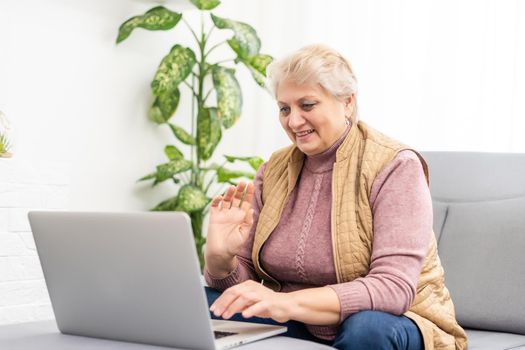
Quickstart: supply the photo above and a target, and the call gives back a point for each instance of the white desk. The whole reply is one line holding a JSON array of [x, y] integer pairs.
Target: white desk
[[45, 336]]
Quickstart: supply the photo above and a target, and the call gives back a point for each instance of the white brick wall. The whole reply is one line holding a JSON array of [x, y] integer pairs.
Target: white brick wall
[[26, 186]]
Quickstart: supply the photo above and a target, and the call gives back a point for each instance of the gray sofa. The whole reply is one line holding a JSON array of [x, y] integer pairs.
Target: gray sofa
[[479, 221]]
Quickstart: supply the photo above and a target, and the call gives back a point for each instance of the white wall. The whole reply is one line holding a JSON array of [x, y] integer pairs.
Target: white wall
[[438, 75], [25, 186]]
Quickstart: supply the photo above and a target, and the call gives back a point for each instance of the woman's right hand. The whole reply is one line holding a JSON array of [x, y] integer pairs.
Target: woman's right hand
[[231, 218]]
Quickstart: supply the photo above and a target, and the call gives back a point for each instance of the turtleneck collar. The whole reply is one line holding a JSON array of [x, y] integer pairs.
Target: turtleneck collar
[[324, 161]]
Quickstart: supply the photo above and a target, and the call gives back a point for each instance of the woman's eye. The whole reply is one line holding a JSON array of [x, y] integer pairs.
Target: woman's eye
[[307, 106], [284, 110]]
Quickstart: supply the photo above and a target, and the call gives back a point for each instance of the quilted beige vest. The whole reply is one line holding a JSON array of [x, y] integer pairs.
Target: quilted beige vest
[[361, 156]]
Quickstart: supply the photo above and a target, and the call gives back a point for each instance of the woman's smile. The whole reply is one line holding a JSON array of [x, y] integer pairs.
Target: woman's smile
[[305, 135]]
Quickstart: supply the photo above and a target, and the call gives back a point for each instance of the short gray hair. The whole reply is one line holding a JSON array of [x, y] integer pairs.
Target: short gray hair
[[316, 64]]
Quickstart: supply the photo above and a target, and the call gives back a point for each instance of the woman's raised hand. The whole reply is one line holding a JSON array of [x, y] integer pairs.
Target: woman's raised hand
[[231, 218]]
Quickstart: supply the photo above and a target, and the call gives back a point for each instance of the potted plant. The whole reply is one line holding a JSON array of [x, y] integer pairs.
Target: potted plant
[[5, 144], [184, 67]]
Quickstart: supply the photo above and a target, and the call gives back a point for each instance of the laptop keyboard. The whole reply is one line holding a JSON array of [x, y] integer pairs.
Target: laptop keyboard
[[219, 334]]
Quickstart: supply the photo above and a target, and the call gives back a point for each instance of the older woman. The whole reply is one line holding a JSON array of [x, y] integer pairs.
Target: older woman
[[334, 238]]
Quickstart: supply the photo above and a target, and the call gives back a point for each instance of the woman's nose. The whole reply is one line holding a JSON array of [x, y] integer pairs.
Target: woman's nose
[[295, 120]]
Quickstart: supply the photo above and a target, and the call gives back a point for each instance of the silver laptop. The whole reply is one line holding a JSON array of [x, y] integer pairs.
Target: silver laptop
[[132, 277]]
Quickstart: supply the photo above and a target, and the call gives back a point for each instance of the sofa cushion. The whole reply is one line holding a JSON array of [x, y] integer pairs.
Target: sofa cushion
[[482, 248], [483, 340], [472, 176], [439, 213]]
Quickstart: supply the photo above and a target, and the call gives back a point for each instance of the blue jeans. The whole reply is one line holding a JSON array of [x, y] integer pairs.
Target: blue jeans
[[362, 330]]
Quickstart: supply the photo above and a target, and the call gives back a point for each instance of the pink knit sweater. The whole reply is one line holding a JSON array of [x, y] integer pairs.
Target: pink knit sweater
[[299, 251]]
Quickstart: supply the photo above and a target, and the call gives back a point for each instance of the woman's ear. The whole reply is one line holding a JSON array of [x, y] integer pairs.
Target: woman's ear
[[349, 106]]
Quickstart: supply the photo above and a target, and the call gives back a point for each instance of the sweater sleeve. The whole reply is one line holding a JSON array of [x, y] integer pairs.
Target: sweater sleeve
[[402, 223], [244, 270]]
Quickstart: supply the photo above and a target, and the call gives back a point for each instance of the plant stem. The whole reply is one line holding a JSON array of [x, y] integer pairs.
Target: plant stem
[[208, 94], [214, 176], [191, 88], [229, 60], [192, 122], [214, 47], [219, 191], [197, 219], [191, 29], [209, 32], [200, 99], [184, 176]]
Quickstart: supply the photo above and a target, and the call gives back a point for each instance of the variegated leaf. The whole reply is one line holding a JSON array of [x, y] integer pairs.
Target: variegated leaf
[[236, 47], [248, 42], [206, 4], [191, 199], [164, 106], [229, 96], [254, 162], [173, 152], [208, 132], [158, 18], [260, 62], [259, 78], [167, 205], [167, 170], [225, 175], [148, 177], [182, 135], [173, 69], [256, 64]]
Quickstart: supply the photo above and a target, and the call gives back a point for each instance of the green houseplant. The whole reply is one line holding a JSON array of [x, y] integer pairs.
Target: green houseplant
[[5, 144], [184, 67]]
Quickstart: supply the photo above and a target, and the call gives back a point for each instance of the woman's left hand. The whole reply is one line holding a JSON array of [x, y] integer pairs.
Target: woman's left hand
[[253, 299]]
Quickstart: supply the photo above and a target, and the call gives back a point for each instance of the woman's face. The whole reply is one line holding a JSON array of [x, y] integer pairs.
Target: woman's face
[[312, 117]]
